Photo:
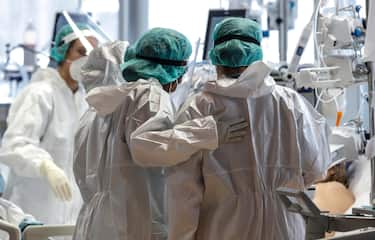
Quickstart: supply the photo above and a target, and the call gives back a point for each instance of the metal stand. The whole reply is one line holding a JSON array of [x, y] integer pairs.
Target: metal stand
[[283, 30]]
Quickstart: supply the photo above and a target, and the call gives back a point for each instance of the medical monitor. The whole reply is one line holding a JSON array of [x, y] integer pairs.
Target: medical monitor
[[215, 16]]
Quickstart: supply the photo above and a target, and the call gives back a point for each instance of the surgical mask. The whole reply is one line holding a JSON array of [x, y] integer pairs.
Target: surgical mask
[[76, 68]]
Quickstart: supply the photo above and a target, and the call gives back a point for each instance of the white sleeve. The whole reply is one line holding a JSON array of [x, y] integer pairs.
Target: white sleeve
[[160, 143], [157, 148], [314, 145], [27, 123]]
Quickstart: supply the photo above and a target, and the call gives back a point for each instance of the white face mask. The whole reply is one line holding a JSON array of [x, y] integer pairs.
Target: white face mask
[[76, 67]]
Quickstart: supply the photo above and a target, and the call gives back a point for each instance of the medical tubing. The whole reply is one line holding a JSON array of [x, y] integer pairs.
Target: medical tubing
[[327, 100]]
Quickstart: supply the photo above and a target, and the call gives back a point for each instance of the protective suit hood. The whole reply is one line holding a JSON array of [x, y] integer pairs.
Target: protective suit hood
[[105, 100], [253, 82]]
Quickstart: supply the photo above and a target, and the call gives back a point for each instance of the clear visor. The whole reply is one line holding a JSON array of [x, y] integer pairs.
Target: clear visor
[[94, 30], [102, 66]]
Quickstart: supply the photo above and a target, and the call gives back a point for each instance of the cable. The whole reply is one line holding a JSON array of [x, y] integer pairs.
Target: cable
[[326, 101]]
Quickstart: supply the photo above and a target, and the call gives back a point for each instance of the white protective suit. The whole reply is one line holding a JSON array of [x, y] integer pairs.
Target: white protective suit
[[42, 122], [119, 195], [230, 193]]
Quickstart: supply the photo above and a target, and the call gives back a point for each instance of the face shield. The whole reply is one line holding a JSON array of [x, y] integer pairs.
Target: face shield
[[101, 66], [91, 29], [69, 28]]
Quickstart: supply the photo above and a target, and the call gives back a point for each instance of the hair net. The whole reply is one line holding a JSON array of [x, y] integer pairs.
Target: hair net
[[130, 53], [161, 54], [61, 47], [237, 43]]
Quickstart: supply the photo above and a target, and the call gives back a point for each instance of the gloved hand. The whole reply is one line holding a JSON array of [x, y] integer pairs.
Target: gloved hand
[[231, 131], [370, 148], [57, 180]]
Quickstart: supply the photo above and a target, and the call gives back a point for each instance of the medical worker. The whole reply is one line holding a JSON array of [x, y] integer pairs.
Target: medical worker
[[123, 200], [230, 192], [38, 143], [116, 192]]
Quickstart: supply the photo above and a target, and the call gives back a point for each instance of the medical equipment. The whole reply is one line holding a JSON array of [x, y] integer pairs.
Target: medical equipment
[[318, 222], [281, 16], [17, 74], [14, 74], [274, 17], [339, 68], [277, 15], [30, 41], [339, 41]]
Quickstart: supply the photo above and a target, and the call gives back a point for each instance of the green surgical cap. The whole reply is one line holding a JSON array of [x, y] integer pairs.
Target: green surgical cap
[[60, 49], [160, 53], [235, 43], [130, 53]]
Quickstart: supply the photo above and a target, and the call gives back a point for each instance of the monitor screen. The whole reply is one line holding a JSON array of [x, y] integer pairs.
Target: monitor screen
[[215, 17]]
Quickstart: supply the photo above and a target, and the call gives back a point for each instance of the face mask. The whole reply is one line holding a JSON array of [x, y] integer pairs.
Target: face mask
[[76, 67]]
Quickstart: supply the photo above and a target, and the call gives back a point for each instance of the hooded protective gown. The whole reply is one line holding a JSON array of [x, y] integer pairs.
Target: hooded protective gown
[[42, 122], [123, 200], [229, 193]]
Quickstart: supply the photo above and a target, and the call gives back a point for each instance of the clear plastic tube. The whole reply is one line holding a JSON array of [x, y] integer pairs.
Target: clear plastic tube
[[339, 113]]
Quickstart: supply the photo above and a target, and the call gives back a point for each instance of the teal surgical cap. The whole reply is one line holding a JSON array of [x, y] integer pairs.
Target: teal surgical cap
[[236, 43], [63, 40], [160, 53], [130, 53]]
